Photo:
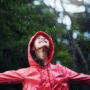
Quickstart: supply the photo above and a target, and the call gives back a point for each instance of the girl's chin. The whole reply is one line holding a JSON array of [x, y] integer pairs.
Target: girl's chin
[[44, 46]]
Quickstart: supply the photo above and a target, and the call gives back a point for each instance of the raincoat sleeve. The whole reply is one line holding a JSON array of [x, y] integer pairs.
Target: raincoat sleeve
[[76, 77], [12, 77]]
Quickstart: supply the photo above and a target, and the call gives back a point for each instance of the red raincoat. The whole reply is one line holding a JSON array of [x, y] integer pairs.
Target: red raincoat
[[49, 77]]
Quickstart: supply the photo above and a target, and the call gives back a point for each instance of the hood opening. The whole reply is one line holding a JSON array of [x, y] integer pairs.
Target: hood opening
[[40, 62], [31, 55]]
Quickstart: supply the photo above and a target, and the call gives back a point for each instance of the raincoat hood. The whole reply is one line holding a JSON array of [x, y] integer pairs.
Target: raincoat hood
[[32, 62]]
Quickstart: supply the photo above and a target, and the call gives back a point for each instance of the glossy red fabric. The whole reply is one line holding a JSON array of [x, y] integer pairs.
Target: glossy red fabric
[[49, 77]]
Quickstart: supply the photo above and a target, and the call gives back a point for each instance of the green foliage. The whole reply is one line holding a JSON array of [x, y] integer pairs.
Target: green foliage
[[19, 21]]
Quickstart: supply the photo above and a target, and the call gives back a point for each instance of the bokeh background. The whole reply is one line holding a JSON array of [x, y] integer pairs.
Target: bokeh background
[[66, 21]]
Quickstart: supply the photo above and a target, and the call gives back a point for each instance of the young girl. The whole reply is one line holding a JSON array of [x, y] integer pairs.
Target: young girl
[[42, 75]]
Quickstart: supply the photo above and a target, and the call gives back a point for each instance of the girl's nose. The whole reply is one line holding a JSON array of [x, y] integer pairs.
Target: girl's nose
[[43, 38]]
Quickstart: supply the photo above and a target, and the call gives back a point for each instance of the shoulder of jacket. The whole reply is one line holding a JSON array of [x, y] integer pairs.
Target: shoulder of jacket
[[23, 71], [56, 66], [61, 68]]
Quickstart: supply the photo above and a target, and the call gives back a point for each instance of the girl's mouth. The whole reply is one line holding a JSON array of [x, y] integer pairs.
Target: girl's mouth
[[43, 41]]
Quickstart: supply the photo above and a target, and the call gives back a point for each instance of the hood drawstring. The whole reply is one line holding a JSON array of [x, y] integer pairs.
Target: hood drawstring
[[40, 70], [49, 78], [41, 75]]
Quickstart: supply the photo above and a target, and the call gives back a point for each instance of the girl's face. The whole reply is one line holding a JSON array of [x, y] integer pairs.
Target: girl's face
[[40, 42]]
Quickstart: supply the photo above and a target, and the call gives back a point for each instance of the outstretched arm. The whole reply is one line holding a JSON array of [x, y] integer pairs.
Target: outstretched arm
[[11, 77], [77, 77]]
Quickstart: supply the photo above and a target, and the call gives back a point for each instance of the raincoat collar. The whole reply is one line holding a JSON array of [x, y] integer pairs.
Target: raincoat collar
[[32, 62]]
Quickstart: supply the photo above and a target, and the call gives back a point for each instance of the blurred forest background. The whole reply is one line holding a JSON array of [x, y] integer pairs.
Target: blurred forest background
[[66, 21]]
